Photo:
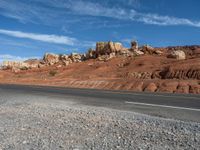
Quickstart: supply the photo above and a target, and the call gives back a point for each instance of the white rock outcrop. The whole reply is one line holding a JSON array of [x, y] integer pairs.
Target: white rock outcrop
[[178, 54]]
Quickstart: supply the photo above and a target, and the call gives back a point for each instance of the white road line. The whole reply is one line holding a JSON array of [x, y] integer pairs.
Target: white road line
[[155, 95], [164, 106]]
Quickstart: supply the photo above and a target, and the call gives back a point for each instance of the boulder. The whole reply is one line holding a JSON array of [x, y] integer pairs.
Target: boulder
[[148, 49], [15, 65], [91, 54], [75, 57], [183, 87], [125, 52], [105, 48], [138, 86], [151, 87], [169, 87], [51, 59], [115, 47], [106, 57], [195, 89], [101, 48], [178, 54], [65, 60], [158, 52], [32, 63], [138, 53], [134, 45], [190, 51]]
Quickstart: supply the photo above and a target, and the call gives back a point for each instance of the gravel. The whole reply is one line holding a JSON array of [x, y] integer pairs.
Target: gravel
[[40, 122]]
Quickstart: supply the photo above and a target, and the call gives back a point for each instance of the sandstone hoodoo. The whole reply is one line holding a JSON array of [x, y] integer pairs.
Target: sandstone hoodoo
[[104, 48], [112, 66], [134, 46]]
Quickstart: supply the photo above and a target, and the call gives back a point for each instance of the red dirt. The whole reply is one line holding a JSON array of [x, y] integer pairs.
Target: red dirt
[[151, 73]]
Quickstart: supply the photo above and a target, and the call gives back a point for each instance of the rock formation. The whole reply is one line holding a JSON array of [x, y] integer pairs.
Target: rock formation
[[75, 57], [181, 73], [106, 57], [91, 54], [147, 49], [168, 87], [111, 66], [138, 53], [32, 63], [195, 89], [104, 48], [178, 54], [51, 59], [65, 60], [183, 87], [15, 65], [134, 46], [151, 87], [193, 50]]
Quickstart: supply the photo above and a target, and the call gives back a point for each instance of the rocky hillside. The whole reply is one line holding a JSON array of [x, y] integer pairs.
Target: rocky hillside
[[112, 66]]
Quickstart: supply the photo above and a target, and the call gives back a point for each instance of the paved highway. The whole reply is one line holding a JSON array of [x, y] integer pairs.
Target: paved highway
[[175, 106]]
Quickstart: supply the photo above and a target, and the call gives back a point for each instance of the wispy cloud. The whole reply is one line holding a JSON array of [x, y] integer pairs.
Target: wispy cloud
[[40, 37], [47, 11], [164, 20], [95, 9]]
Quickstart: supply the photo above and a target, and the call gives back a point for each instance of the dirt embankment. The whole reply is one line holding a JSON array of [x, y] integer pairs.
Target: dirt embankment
[[150, 73]]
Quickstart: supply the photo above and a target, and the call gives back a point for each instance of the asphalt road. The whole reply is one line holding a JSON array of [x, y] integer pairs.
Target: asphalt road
[[175, 106]]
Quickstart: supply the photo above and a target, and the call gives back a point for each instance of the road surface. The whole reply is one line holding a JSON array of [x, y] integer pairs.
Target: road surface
[[173, 106]]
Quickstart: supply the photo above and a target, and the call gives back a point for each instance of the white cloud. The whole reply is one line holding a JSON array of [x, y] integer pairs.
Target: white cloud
[[165, 20], [40, 37], [94, 9], [60, 12]]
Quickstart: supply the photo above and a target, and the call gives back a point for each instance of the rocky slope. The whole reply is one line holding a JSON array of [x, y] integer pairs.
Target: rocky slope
[[111, 66]]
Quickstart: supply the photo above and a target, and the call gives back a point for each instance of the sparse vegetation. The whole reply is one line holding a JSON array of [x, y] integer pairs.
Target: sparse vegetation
[[19, 76], [24, 68], [52, 73]]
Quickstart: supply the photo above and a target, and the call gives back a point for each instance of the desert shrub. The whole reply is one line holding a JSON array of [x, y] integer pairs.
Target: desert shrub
[[52, 73], [24, 68]]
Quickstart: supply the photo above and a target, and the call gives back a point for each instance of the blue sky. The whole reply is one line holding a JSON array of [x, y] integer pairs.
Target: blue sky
[[29, 28]]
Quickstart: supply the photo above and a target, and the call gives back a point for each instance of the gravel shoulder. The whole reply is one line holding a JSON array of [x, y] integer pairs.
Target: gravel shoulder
[[41, 122]]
